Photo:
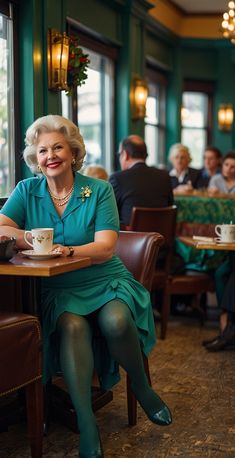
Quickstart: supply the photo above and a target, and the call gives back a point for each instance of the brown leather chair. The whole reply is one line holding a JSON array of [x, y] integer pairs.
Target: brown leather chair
[[139, 252], [193, 283], [21, 367], [162, 220]]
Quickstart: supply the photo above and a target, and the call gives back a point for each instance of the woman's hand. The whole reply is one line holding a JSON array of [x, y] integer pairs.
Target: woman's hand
[[213, 191], [63, 250], [183, 188], [101, 250]]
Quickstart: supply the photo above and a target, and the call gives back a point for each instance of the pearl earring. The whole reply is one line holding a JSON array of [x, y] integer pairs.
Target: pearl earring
[[39, 168]]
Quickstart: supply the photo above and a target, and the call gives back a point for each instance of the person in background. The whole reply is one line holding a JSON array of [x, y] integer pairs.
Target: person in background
[[96, 171], [212, 166], [226, 301], [224, 182], [84, 216], [183, 178], [137, 184]]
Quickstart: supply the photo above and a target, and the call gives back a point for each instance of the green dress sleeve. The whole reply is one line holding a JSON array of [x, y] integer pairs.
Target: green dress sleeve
[[107, 217], [14, 208]]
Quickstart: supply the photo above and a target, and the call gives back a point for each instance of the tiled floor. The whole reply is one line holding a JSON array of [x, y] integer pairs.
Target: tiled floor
[[198, 386]]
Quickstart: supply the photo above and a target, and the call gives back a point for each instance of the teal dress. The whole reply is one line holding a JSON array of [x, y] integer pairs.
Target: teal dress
[[86, 290]]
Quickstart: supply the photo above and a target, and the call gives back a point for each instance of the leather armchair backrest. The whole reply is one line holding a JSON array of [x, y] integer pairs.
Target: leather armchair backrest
[[139, 251]]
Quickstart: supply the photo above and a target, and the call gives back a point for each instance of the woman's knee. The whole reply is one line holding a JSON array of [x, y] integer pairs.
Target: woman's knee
[[71, 324], [115, 322]]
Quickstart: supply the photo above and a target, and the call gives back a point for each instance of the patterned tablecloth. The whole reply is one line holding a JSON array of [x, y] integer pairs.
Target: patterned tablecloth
[[205, 210]]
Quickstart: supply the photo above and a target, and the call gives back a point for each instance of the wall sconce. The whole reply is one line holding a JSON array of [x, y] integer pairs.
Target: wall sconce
[[58, 56], [138, 96], [225, 117]]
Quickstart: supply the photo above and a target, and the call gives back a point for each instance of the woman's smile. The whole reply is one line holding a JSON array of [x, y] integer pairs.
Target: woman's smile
[[54, 153], [54, 165]]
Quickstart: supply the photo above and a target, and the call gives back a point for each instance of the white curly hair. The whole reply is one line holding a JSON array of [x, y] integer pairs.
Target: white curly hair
[[53, 123], [174, 149]]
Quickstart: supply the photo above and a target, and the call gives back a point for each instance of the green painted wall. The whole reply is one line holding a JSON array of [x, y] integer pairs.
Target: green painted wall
[[126, 24]]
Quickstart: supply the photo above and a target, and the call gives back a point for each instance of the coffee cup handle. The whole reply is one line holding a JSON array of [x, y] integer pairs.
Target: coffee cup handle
[[218, 230], [25, 238]]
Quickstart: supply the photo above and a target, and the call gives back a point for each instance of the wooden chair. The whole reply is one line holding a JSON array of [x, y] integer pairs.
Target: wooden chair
[[162, 220], [139, 252], [21, 367], [193, 283]]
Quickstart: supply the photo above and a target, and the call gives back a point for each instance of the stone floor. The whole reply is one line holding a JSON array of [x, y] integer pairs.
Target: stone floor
[[197, 385]]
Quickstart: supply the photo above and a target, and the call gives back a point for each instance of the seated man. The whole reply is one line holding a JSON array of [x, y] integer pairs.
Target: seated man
[[138, 185]]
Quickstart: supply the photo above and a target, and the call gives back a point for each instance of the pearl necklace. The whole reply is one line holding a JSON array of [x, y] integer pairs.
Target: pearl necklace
[[61, 201]]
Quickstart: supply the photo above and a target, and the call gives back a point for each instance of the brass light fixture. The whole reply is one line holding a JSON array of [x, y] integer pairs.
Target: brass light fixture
[[225, 117], [58, 55], [138, 96], [228, 23]]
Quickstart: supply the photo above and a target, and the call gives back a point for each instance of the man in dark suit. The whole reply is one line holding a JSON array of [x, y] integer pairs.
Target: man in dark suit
[[138, 185]]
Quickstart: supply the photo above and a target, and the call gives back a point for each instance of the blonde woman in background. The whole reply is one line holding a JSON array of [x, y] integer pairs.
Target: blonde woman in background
[[183, 177], [96, 171]]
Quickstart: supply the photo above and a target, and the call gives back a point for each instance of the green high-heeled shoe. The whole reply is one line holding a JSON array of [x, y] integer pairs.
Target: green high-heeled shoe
[[94, 454], [162, 417], [97, 453]]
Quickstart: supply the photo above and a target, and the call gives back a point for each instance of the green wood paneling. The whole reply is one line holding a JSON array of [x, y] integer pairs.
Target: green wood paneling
[[160, 51], [126, 24], [99, 16]]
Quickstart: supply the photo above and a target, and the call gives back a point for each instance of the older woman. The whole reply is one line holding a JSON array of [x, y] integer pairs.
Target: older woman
[[183, 177], [225, 181], [83, 213]]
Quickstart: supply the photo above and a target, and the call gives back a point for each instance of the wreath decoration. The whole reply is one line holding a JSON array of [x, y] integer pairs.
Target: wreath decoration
[[77, 65]]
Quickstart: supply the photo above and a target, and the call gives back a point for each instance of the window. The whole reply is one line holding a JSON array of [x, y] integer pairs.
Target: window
[[7, 131], [195, 120], [155, 118], [93, 106]]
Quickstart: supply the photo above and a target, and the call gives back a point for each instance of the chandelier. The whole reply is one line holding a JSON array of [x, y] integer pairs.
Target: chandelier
[[228, 23]]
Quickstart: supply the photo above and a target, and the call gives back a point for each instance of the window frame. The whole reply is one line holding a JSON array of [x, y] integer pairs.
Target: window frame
[[159, 78], [205, 87], [10, 10], [95, 42]]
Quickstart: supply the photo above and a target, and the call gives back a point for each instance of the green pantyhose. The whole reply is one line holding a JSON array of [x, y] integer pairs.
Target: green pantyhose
[[118, 327], [77, 364]]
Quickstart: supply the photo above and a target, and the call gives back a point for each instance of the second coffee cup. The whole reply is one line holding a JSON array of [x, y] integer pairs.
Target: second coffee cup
[[42, 239], [225, 232]]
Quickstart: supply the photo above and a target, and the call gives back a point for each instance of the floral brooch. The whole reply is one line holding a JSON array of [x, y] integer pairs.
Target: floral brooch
[[86, 192]]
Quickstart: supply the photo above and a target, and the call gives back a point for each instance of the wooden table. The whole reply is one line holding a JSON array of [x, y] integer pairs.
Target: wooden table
[[205, 245], [20, 265], [31, 272]]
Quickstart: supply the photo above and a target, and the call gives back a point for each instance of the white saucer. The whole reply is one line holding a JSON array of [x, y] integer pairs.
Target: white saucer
[[32, 255]]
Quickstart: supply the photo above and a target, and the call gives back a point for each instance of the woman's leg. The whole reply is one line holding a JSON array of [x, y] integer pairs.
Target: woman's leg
[[77, 364], [118, 327], [227, 337], [221, 276]]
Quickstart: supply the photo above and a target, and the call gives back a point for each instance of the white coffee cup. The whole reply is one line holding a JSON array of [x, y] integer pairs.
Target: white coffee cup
[[42, 239], [225, 232]]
